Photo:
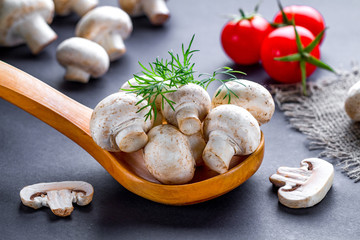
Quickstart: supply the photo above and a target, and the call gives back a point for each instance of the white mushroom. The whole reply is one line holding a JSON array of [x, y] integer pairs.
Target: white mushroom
[[117, 124], [156, 10], [197, 144], [80, 7], [168, 156], [251, 96], [192, 104], [108, 26], [26, 21], [59, 196], [229, 130], [305, 186], [159, 117], [352, 102], [82, 58]]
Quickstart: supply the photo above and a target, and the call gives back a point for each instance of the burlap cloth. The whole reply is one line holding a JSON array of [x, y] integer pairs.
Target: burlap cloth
[[321, 116]]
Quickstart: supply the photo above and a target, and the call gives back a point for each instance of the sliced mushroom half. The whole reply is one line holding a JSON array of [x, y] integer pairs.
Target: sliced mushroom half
[[305, 186], [58, 196]]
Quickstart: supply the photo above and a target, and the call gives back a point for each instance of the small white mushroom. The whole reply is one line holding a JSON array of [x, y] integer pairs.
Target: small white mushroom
[[251, 96], [58, 196], [168, 156], [159, 117], [156, 10], [229, 130], [82, 58], [197, 144], [352, 102], [26, 21], [193, 103], [117, 124], [80, 7], [305, 186], [108, 26]]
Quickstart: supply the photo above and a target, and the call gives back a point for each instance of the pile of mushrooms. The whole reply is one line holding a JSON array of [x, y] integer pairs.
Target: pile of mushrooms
[[197, 131]]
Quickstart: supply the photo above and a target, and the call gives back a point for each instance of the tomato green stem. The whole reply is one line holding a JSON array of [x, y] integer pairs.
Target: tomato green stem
[[303, 56]]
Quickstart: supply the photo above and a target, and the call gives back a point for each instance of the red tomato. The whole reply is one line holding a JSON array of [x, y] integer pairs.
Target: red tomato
[[242, 39], [304, 16], [282, 42]]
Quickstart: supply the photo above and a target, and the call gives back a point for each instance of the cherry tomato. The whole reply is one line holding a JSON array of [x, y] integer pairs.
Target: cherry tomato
[[242, 39], [304, 16], [282, 42]]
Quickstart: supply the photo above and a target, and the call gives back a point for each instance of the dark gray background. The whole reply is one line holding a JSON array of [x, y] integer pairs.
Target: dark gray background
[[32, 152]]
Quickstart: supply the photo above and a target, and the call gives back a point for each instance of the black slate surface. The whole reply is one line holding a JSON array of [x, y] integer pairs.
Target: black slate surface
[[32, 152]]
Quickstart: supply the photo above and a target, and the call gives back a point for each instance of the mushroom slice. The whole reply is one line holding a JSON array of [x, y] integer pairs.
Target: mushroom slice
[[82, 58], [305, 186], [26, 21], [80, 7], [156, 10], [59, 196], [109, 27], [252, 96]]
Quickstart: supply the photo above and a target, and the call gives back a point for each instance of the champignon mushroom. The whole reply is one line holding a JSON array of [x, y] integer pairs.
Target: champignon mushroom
[[167, 155], [197, 144], [192, 104], [80, 7], [108, 26], [82, 58], [251, 96], [229, 130], [156, 10], [59, 196], [159, 117], [117, 124], [352, 102], [26, 21], [305, 186]]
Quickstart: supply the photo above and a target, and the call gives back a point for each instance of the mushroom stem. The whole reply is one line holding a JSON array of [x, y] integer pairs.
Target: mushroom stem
[[131, 138], [114, 45], [36, 32], [81, 7], [60, 202], [156, 11], [218, 152], [188, 120], [76, 74]]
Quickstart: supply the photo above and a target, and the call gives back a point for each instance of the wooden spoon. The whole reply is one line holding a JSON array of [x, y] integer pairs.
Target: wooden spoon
[[72, 119]]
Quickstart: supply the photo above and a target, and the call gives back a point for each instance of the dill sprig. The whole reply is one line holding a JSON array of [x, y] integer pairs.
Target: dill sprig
[[165, 76], [209, 78]]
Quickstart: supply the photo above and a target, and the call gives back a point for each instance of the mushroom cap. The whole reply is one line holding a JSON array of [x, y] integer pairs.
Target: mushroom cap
[[84, 54], [115, 113], [31, 195], [102, 20], [168, 156], [252, 96], [64, 7], [187, 95], [132, 7], [352, 102], [236, 123], [15, 11]]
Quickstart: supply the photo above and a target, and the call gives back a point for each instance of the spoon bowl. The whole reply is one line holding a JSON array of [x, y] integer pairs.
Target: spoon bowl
[[72, 119]]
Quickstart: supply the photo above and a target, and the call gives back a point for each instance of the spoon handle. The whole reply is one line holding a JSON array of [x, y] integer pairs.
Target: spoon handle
[[45, 103]]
